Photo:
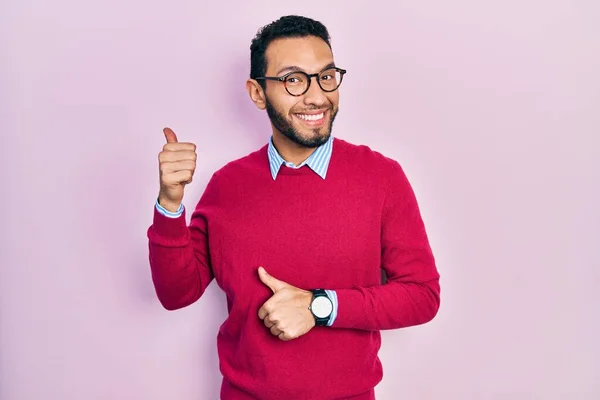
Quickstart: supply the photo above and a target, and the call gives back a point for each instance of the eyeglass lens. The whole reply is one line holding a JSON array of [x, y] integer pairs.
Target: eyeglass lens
[[329, 80]]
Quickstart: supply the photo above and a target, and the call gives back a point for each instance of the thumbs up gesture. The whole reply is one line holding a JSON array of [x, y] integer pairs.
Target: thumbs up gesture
[[177, 163], [286, 313]]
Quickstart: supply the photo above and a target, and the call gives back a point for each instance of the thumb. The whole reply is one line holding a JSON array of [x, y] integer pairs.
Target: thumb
[[170, 135], [274, 284]]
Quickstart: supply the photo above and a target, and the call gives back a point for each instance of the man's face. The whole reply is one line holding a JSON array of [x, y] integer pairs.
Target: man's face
[[306, 120]]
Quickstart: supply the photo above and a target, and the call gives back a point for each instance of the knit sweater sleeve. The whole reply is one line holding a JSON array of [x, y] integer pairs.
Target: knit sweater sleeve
[[178, 253], [412, 294]]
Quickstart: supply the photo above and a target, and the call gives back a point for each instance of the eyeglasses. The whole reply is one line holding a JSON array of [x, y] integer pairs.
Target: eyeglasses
[[298, 82]]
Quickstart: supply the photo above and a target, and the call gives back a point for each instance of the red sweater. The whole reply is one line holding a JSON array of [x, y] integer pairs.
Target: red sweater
[[334, 233]]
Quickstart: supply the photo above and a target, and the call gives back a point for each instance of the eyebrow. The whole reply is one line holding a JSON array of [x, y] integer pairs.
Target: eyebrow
[[294, 68]]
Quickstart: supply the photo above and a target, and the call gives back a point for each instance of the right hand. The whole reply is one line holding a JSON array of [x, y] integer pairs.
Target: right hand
[[177, 163]]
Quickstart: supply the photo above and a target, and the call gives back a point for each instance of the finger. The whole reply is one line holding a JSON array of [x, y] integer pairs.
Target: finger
[[174, 178], [270, 320], [170, 135], [283, 337], [267, 322], [262, 313], [267, 309], [275, 331], [274, 284], [176, 166], [177, 155], [179, 146]]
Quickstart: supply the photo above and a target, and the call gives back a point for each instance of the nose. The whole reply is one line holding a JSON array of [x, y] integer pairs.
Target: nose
[[315, 95]]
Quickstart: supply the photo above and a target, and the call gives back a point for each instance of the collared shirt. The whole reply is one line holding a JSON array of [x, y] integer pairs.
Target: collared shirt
[[318, 161]]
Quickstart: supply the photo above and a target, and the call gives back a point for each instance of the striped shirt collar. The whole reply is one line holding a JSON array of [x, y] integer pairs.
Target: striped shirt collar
[[318, 160]]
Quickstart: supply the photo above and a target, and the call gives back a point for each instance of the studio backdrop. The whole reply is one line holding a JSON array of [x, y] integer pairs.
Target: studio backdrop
[[491, 107]]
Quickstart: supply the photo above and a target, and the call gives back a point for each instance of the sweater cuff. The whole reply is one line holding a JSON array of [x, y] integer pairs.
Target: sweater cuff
[[349, 303], [169, 227]]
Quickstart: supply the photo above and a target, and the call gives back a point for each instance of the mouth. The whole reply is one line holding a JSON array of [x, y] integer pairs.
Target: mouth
[[312, 119]]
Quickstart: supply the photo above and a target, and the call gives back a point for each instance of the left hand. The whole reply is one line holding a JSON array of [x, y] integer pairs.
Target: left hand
[[286, 313]]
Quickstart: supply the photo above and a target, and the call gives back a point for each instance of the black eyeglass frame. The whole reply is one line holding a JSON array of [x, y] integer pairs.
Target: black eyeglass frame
[[309, 79]]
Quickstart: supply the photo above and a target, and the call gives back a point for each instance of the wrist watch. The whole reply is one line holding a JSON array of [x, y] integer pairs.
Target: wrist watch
[[321, 307]]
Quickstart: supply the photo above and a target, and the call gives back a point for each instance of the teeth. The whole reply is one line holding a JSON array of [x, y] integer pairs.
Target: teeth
[[314, 117]]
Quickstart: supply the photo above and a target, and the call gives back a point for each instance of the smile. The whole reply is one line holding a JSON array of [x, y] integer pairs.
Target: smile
[[313, 120], [311, 117]]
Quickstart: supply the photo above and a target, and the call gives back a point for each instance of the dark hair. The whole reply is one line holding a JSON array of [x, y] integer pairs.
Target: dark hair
[[289, 26]]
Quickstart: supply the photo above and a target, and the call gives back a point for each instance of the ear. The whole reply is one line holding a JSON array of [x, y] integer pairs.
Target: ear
[[256, 93]]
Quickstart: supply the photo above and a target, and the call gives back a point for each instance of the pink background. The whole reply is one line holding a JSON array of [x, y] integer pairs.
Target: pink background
[[493, 108]]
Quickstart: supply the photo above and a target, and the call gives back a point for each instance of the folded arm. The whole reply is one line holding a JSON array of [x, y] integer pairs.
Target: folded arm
[[411, 295]]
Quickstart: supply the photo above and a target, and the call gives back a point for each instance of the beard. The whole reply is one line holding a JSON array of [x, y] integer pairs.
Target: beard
[[283, 125]]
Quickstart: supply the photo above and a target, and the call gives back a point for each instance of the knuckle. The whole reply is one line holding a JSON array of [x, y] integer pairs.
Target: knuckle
[[167, 156], [164, 156]]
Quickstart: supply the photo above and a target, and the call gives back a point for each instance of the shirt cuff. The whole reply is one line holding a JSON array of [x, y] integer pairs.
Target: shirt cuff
[[333, 297], [168, 213]]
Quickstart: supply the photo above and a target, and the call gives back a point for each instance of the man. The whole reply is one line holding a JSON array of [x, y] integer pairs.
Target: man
[[295, 234]]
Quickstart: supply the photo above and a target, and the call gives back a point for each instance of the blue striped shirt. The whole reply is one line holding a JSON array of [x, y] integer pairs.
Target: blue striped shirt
[[318, 161]]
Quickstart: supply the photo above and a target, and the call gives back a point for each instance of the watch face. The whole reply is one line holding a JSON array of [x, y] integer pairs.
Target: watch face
[[322, 307]]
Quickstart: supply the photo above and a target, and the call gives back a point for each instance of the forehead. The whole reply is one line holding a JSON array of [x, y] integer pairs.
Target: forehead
[[309, 53]]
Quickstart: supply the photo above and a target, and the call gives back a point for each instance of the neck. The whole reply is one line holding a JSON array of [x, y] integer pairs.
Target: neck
[[289, 150]]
